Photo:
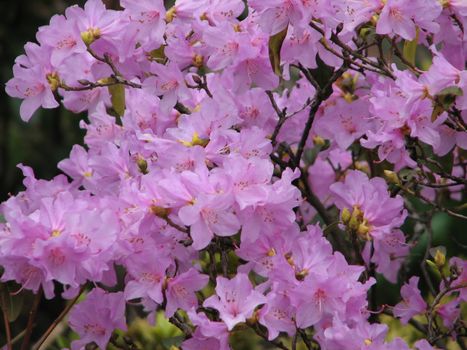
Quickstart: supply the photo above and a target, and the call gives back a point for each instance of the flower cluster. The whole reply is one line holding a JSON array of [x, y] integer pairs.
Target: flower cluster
[[214, 142]]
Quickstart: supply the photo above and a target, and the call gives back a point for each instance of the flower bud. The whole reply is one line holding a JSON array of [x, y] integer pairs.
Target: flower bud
[[440, 258], [345, 215], [301, 274], [160, 211], [142, 165], [353, 223], [363, 230], [90, 35], [197, 79], [289, 259], [392, 177], [54, 81], [198, 61], [195, 141], [170, 14], [319, 141]]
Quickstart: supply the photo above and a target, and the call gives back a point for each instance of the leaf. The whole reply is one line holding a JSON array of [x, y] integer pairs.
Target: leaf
[[446, 162], [275, 45], [445, 99], [117, 94], [158, 55], [410, 49], [11, 304], [452, 90]]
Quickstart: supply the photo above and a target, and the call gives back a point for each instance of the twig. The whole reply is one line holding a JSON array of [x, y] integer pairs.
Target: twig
[[321, 95], [282, 118], [276, 343], [182, 109], [336, 40], [9, 344], [32, 317], [431, 310], [179, 323], [59, 319], [17, 338], [435, 205], [444, 173], [307, 341], [403, 59], [176, 226], [425, 257]]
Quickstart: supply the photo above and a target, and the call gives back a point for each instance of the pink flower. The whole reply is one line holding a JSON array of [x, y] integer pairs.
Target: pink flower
[[278, 316], [401, 17], [181, 291], [316, 297], [63, 38], [31, 85], [208, 335], [343, 122], [168, 83], [209, 215], [147, 275], [250, 179], [275, 15], [412, 303], [147, 21], [235, 299], [97, 317], [381, 213], [101, 23], [449, 312], [228, 47]]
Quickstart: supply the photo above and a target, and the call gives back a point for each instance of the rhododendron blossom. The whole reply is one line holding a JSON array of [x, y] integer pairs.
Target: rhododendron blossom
[[248, 166]]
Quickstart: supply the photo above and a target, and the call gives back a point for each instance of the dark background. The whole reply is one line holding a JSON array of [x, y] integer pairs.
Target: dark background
[[50, 134]]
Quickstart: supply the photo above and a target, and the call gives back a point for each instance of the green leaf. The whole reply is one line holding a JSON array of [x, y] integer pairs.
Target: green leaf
[[158, 54], [446, 162], [410, 49], [275, 45], [117, 94], [445, 99], [452, 90], [11, 304]]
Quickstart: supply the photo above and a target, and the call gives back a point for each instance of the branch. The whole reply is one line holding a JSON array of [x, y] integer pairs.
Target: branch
[[320, 95], [276, 343], [349, 51], [282, 118], [59, 319], [9, 344], [436, 301], [32, 317]]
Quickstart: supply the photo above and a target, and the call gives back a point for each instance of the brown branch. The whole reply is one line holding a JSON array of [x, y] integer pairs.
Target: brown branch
[[348, 50], [431, 310], [282, 118], [9, 344], [425, 257], [320, 95], [31, 318], [276, 343], [59, 319]]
